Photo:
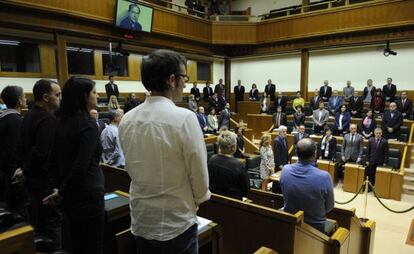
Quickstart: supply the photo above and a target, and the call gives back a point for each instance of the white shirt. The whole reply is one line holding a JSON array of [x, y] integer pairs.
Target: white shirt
[[166, 159], [340, 121]]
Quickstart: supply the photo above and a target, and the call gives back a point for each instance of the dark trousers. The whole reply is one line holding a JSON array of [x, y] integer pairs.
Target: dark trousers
[[370, 172], [319, 129], [340, 166], [186, 243], [86, 221], [47, 220]]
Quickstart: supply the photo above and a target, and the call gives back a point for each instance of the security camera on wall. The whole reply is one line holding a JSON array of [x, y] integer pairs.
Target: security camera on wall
[[388, 51]]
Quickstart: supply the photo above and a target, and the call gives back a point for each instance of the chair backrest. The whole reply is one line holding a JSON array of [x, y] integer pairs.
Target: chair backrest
[[394, 158], [116, 178], [253, 162]]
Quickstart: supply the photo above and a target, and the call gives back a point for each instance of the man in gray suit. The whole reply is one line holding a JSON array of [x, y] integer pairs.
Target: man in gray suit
[[352, 148], [320, 118], [224, 118]]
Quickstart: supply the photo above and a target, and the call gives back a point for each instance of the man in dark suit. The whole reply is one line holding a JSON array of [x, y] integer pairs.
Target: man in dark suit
[[227, 175], [111, 88], [101, 125], [325, 91], [219, 88], [207, 92], [389, 90], [314, 102], [224, 118], [301, 134], [270, 89], [130, 21], [195, 91], [202, 119], [279, 118], [281, 149], [239, 91], [377, 154], [405, 105], [391, 122], [355, 105], [281, 101]]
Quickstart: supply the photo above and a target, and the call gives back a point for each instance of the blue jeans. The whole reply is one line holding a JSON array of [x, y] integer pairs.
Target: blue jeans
[[186, 243]]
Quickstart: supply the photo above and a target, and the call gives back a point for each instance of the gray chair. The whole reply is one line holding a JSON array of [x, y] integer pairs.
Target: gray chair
[[394, 158], [210, 151]]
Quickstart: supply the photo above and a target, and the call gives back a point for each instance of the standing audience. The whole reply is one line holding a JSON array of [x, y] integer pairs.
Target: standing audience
[[75, 159], [348, 91], [202, 119], [369, 91], [279, 118], [389, 90], [112, 152], [166, 159], [405, 105], [377, 155], [342, 121], [207, 92], [132, 102], [111, 88], [298, 118], [227, 175], [368, 125], [212, 121], [267, 163], [356, 105], [196, 92], [254, 93], [37, 138], [113, 104], [307, 188], [320, 118], [95, 116], [298, 101], [391, 122], [325, 91], [378, 103], [327, 146], [224, 118], [11, 191], [281, 148]]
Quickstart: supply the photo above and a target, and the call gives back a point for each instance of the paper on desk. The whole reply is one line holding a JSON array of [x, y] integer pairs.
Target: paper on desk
[[202, 223]]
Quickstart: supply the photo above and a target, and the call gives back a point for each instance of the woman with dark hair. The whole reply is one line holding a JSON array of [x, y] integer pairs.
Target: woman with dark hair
[[342, 121], [240, 144], [75, 159], [327, 146], [298, 118], [254, 93], [378, 103], [368, 125]]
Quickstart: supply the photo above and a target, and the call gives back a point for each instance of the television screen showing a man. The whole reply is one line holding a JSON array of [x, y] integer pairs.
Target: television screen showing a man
[[132, 16]]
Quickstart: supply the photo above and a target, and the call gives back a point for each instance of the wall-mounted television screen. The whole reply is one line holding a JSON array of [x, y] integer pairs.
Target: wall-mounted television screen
[[133, 16]]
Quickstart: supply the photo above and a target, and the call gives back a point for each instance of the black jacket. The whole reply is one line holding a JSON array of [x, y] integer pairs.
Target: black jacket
[[254, 95], [373, 89], [357, 105], [331, 151], [110, 91], [389, 92], [207, 93], [75, 158], [406, 108], [239, 94], [296, 137], [130, 104], [10, 125], [314, 102], [270, 90], [326, 94], [394, 122], [281, 152], [377, 154], [228, 177], [196, 92], [37, 137], [282, 103]]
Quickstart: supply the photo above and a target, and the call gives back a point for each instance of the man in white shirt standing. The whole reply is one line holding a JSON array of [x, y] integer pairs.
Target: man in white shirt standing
[[166, 159]]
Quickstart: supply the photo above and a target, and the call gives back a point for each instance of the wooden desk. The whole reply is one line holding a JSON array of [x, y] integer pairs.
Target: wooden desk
[[259, 123], [211, 139], [18, 239], [324, 165], [248, 107], [353, 177]]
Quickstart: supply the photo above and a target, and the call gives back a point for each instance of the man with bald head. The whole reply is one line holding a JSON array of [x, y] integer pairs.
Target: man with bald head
[[325, 91], [307, 188], [95, 115], [391, 122]]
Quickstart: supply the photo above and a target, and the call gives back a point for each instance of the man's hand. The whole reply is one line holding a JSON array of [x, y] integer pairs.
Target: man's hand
[[53, 199], [343, 158], [390, 130], [18, 176], [367, 163]]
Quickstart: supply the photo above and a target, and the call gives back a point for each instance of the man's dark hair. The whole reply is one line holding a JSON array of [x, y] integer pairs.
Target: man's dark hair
[[74, 96], [132, 6], [305, 148], [11, 95], [157, 67], [41, 87], [110, 76]]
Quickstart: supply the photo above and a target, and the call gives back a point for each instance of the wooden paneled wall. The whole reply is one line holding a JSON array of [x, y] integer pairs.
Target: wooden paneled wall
[[350, 19], [357, 18]]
